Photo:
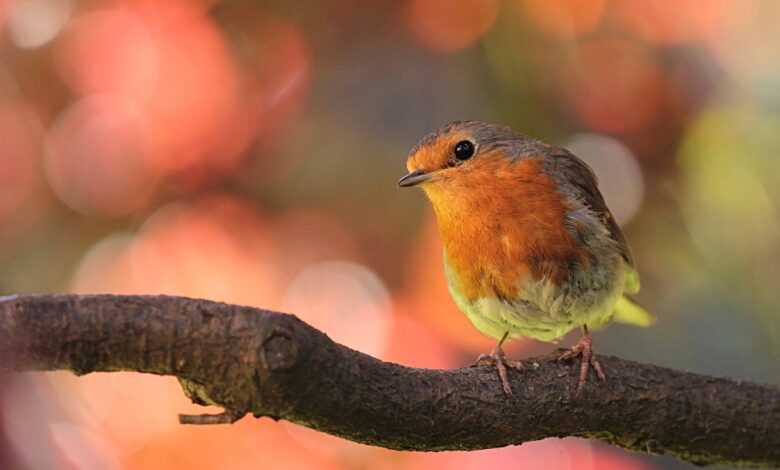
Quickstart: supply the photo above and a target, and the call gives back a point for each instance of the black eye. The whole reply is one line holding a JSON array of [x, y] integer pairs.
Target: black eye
[[464, 150]]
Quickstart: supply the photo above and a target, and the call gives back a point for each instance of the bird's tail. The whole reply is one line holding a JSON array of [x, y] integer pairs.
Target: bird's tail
[[627, 311]]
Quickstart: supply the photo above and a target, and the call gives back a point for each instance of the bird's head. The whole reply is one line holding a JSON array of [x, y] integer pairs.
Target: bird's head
[[472, 169], [443, 154], [458, 150], [465, 157]]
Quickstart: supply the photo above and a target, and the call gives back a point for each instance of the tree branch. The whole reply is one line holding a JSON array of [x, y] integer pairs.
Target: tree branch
[[255, 361]]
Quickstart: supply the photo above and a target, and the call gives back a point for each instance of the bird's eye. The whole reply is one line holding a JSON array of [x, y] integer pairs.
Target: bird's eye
[[464, 150]]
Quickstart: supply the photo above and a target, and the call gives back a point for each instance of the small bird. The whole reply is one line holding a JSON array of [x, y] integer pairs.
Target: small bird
[[530, 247]]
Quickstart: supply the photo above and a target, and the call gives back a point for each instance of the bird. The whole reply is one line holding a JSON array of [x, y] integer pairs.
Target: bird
[[531, 249]]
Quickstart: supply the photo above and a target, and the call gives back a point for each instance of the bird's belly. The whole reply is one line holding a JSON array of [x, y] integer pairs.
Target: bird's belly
[[542, 310]]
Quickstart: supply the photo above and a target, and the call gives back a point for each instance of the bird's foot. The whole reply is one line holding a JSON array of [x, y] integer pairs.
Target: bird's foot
[[584, 349], [498, 359]]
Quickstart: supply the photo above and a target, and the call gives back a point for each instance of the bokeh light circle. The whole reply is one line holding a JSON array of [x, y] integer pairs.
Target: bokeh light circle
[[344, 299], [614, 85], [618, 172], [216, 248], [102, 267], [111, 50], [95, 157], [446, 26], [169, 61], [33, 23]]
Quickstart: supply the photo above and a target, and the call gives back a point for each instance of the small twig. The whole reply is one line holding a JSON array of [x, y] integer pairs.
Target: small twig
[[226, 417]]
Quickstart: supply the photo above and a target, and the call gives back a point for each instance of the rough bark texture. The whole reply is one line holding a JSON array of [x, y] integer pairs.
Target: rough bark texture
[[248, 360]]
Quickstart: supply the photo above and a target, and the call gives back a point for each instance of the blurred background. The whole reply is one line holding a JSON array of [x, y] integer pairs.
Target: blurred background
[[248, 152]]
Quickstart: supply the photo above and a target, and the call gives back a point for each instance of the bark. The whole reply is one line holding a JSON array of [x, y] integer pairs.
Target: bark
[[248, 360]]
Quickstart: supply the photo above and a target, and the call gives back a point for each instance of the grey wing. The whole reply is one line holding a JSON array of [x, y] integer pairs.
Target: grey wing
[[575, 177]]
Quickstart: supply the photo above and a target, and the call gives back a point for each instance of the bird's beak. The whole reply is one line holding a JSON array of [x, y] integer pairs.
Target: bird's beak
[[414, 178]]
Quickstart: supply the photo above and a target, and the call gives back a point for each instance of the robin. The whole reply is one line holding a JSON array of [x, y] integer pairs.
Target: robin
[[530, 247]]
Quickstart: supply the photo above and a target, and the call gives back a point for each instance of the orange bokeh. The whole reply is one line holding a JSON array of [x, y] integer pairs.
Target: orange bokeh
[[201, 251], [203, 101], [111, 50], [95, 157], [216, 248], [665, 22], [20, 157], [129, 421], [414, 342], [447, 26], [345, 299], [563, 454], [564, 18], [194, 109], [614, 85], [248, 444], [335, 449], [746, 42], [169, 61], [105, 403]]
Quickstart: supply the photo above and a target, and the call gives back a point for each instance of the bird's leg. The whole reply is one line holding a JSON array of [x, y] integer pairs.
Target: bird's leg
[[584, 348], [498, 359]]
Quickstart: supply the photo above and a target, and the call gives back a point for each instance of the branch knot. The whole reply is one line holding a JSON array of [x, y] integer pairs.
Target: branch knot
[[279, 350]]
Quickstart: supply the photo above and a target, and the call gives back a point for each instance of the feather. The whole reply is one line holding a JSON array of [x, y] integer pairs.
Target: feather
[[627, 311]]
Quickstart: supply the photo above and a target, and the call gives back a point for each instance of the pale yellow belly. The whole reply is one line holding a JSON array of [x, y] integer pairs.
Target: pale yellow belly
[[541, 312]]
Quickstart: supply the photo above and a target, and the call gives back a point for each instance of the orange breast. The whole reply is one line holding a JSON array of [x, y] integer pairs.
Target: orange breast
[[501, 224]]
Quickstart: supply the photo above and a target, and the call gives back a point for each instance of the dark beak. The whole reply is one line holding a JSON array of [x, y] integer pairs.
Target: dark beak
[[414, 178]]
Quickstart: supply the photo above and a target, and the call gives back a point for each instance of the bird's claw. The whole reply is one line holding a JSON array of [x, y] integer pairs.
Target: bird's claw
[[498, 360], [584, 349]]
